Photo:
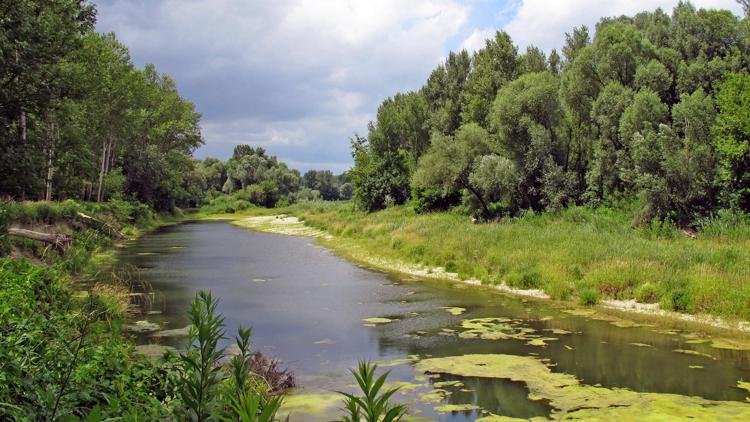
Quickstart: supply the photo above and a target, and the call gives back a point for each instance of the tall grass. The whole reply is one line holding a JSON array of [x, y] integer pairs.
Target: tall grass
[[580, 250]]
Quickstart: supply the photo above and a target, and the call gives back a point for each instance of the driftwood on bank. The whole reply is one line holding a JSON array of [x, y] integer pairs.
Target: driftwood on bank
[[60, 242], [100, 225]]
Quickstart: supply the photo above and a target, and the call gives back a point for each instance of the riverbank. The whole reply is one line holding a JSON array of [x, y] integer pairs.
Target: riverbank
[[63, 314], [579, 255]]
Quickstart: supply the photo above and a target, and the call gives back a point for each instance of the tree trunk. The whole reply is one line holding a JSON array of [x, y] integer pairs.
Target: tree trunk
[[102, 226], [50, 141], [22, 126], [487, 213], [101, 172], [60, 242]]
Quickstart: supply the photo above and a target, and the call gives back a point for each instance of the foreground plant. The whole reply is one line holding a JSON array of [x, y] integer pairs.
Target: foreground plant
[[371, 406], [210, 391]]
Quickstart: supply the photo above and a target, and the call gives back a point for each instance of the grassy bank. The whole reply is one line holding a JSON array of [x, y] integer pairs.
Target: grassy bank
[[578, 254]]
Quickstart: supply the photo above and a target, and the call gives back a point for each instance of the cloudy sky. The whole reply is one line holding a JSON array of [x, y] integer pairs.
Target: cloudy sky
[[298, 77]]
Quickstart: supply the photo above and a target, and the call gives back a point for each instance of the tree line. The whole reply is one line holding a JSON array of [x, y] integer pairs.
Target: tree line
[[81, 121], [653, 106], [251, 176]]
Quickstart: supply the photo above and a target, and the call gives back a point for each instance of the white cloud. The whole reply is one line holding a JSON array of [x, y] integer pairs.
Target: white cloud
[[476, 39], [544, 23], [287, 72]]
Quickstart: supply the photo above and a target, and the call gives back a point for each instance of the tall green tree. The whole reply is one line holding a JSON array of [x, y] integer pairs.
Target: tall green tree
[[443, 92], [449, 162], [492, 67], [35, 37], [732, 136]]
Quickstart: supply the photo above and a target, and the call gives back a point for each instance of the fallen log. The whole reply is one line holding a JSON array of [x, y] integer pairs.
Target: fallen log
[[60, 242], [100, 225]]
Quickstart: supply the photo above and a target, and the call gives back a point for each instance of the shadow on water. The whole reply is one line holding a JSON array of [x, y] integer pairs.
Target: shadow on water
[[307, 307]]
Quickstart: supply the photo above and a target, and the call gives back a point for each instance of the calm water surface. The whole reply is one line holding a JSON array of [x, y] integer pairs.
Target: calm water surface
[[306, 308]]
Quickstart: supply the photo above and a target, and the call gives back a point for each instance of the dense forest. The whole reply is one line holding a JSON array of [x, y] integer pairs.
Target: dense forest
[[653, 106]]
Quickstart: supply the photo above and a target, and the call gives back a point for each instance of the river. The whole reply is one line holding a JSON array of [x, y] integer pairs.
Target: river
[[307, 307]]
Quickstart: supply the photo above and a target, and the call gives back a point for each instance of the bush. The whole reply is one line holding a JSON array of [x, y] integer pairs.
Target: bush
[[679, 300], [525, 279], [60, 356], [451, 267], [226, 204], [588, 297], [428, 200], [648, 293]]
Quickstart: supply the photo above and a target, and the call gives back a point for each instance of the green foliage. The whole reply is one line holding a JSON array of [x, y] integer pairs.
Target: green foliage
[[588, 297], [243, 402], [629, 115], [371, 406], [433, 199], [60, 357], [492, 67], [729, 224], [448, 163], [378, 179], [648, 293], [677, 167], [200, 362], [732, 133], [205, 389]]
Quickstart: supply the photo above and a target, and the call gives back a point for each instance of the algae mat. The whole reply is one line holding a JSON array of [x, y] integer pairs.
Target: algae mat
[[572, 401]]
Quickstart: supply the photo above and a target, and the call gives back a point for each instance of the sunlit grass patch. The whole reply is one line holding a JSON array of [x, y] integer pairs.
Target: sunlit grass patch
[[576, 252]]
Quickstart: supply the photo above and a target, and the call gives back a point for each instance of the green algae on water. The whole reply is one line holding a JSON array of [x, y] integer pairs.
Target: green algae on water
[[450, 408], [642, 345], [454, 310], [435, 396], [316, 404], [694, 353], [394, 362], [377, 320], [743, 385], [443, 384], [572, 400], [501, 328], [730, 344], [580, 312]]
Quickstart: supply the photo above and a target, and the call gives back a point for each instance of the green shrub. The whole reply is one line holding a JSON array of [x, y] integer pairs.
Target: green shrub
[[588, 297], [451, 267], [61, 358], [679, 300], [648, 293], [371, 406], [525, 279], [202, 376]]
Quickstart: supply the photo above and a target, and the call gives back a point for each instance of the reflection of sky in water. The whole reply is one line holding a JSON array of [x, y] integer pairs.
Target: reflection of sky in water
[[306, 307]]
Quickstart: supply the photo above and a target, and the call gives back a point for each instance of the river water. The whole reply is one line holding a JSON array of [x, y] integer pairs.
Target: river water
[[307, 307]]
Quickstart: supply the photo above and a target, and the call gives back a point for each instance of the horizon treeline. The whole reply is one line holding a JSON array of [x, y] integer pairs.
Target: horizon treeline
[[653, 106], [253, 178]]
